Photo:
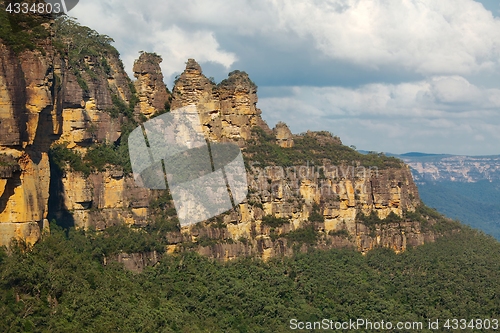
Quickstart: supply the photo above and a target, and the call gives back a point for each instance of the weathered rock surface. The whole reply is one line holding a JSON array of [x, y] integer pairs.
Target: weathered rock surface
[[25, 104], [108, 197], [292, 194], [228, 110], [135, 262], [12, 98], [284, 137], [152, 92], [44, 102]]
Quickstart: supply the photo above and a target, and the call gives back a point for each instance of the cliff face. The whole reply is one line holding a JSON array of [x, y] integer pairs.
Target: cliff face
[[337, 193], [107, 196], [25, 112], [65, 123], [45, 101], [467, 169], [326, 206], [152, 93], [227, 110]]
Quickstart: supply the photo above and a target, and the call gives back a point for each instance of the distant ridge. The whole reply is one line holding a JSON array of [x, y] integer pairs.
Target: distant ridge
[[419, 154], [409, 154], [460, 186]]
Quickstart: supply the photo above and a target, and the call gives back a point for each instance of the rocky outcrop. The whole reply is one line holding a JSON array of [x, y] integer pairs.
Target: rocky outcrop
[[103, 199], [135, 262], [239, 113], [151, 90], [228, 110], [284, 137], [298, 195], [44, 101], [108, 197]]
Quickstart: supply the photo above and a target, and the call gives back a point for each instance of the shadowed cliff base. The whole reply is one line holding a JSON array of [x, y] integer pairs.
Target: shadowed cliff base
[[56, 204]]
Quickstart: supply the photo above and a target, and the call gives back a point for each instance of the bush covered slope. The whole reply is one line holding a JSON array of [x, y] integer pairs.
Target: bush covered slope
[[63, 286]]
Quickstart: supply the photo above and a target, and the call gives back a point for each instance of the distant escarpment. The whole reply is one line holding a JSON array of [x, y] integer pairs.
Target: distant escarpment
[[429, 168], [66, 110]]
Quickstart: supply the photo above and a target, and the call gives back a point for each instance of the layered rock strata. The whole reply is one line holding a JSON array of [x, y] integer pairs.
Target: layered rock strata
[[44, 102]]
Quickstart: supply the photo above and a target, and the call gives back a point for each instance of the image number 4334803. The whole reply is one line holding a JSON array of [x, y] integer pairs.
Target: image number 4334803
[[55, 7]]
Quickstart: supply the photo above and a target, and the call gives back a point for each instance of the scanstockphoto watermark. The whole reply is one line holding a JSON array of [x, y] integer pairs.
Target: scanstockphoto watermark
[[358, 324], [327, 179], [364, 324]]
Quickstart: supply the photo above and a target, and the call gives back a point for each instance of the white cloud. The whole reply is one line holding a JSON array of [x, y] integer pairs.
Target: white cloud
[[455, 89], [139, 26], [429, 115], [176, 46], [427, 36], [445, 42], [433, 97]]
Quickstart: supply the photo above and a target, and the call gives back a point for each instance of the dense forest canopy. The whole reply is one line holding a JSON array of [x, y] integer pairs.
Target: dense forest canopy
[[61, 285]]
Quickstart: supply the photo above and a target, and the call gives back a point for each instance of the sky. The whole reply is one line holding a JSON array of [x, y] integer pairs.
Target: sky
[[384, 75]]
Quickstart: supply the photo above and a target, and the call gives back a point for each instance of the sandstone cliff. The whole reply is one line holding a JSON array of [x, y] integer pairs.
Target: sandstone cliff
[[25, 112], [228, 110], [65, 118], [46, 98], [338, 193], [301, 199], [152, 92]]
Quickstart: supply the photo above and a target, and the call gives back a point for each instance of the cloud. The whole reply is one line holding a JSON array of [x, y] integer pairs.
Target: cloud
[[430, 37], [455, 90], [441, 114], [420, 74], [428, 98], [425, 36], [176, 46], [140, 27]]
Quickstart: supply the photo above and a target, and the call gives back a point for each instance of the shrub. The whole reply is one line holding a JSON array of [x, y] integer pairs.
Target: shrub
[[307, 235], [97, 158], [431, 220], [368, 220], [206, 241], [60, 155], [273, 221], [392, 218], [22, 31], [316, 216], [121, 238], [313, 148]]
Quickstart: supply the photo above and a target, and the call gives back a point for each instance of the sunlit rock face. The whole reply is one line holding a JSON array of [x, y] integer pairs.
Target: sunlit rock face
[[284, 137], [228, 110], [44, 104], [151, 90], [293, 196]]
